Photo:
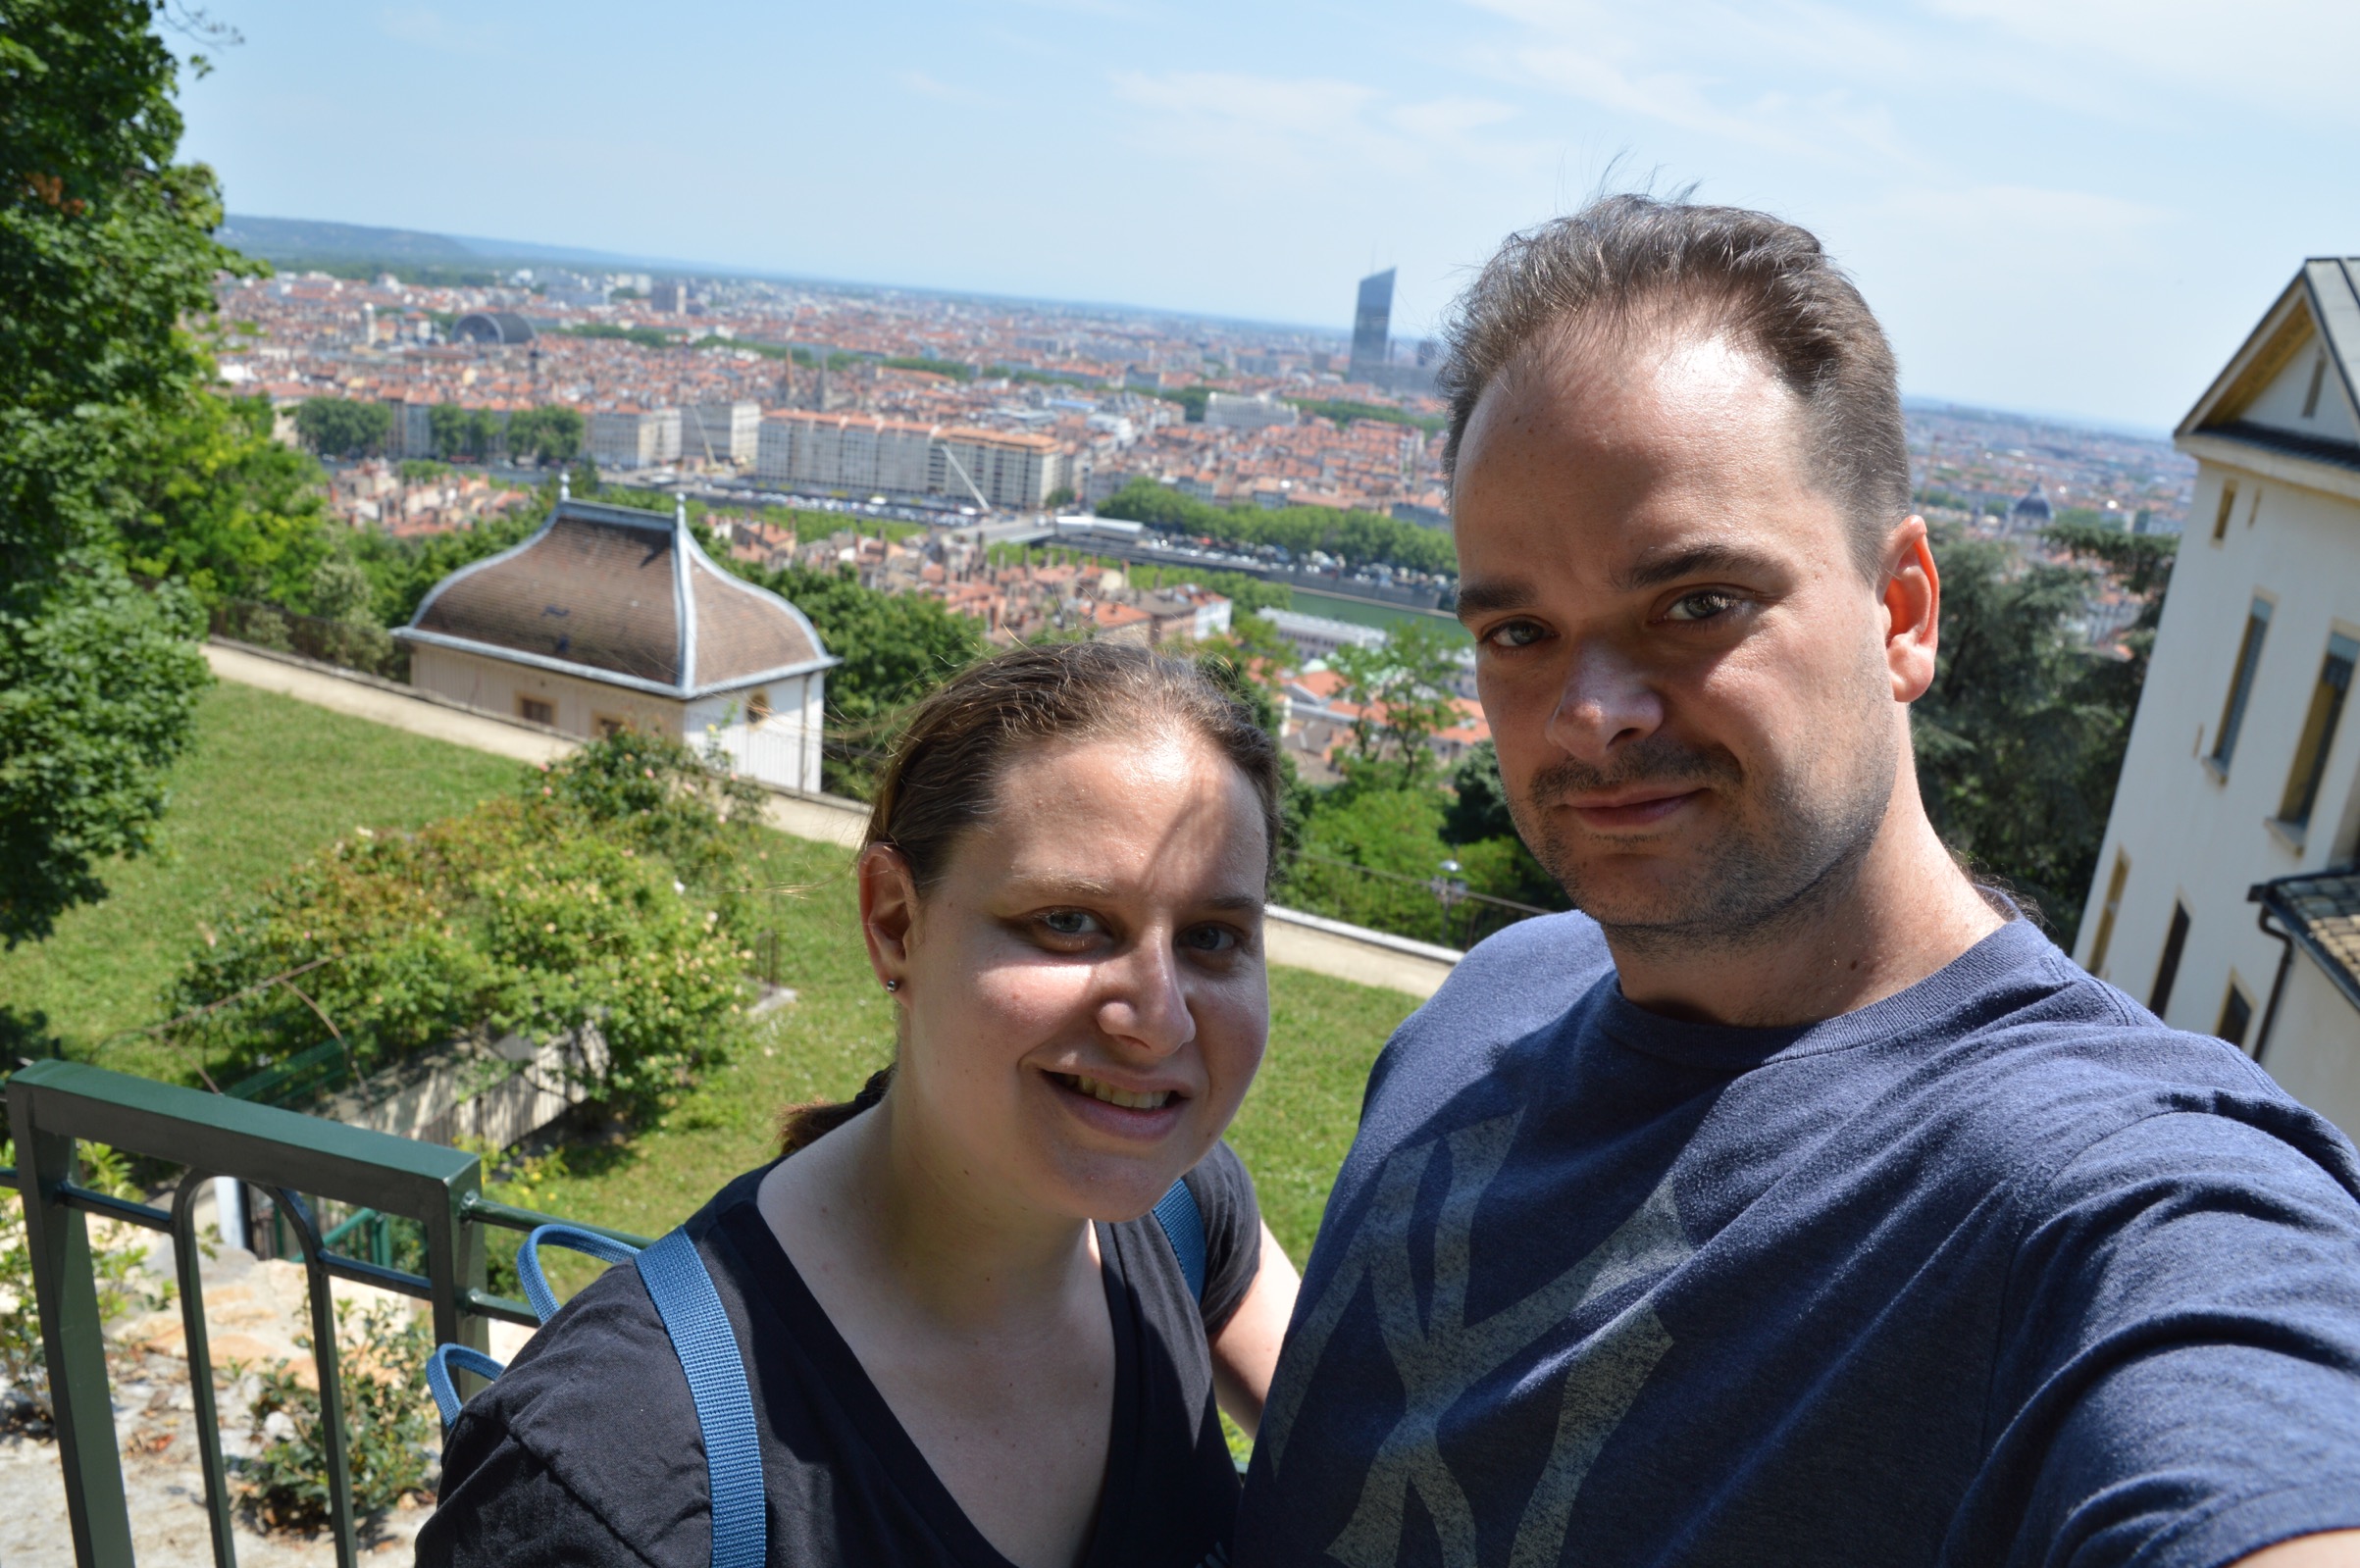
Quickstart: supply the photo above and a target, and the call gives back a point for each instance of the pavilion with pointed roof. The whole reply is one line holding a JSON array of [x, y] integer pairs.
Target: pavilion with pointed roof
[[612, 618]]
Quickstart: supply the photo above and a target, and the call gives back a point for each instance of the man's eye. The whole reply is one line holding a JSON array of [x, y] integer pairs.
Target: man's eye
[[1705, 604], [1514, 635], [1208, 938], [1070, 922]]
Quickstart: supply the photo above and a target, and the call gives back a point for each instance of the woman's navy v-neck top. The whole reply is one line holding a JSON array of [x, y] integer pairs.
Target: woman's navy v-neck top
[[587, 1452]]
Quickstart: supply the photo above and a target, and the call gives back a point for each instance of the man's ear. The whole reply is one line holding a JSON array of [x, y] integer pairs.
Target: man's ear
[[1913, 609], [889, 910]]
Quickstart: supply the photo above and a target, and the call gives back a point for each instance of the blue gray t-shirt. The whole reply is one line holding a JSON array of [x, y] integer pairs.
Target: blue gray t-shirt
[[1998, 1270]]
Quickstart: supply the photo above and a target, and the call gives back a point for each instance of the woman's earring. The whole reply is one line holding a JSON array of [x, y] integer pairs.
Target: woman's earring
[[893, 985]]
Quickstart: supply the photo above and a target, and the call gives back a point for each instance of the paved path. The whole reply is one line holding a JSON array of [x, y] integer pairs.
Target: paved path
[[1294, 940]]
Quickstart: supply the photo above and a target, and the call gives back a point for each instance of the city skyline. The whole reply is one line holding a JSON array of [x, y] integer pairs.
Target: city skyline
[[2038, 200]]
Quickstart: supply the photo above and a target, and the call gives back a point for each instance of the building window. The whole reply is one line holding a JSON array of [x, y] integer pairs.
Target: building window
[[2319, 732], [2229, 502], [2240, 682], [2106, 913], [607, 726], [533, 710], [2237, 1015], [757, 708], [2319, 374], [2168, 971]]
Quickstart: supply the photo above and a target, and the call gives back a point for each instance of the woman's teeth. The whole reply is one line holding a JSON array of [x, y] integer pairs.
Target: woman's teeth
[[1115, 1096]]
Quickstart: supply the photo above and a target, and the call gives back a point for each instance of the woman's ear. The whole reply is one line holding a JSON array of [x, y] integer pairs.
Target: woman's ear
[[889, 911]]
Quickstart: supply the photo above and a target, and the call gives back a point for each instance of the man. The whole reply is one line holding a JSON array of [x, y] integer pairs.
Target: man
[[1797, 1203]]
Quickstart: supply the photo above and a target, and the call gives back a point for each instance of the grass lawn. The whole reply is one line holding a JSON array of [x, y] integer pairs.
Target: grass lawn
[[268, 782], [271, 780], [1292, 1133]]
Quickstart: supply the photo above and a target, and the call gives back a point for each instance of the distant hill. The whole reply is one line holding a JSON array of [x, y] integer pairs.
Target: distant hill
[[307, 241]]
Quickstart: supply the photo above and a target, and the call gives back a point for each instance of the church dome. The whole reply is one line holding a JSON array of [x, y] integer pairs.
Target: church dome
[[617, 594], [2032, 508]]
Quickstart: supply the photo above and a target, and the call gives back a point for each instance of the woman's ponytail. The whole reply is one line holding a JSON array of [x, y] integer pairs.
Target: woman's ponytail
[[800, 1126]]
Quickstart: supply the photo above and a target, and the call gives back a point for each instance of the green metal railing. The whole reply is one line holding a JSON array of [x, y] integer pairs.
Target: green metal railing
[[53, 1105]]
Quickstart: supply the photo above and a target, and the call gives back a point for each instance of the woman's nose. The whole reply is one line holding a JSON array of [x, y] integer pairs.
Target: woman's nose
[[1145, 1002]]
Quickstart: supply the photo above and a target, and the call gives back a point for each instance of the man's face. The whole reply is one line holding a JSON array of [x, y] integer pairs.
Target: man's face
[[1682, 662]]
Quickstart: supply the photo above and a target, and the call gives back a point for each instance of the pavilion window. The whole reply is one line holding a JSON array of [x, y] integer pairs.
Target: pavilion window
[[2319, 730], [2228, 504]]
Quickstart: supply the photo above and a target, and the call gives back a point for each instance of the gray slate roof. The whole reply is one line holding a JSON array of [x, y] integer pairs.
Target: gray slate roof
[[615, 594]]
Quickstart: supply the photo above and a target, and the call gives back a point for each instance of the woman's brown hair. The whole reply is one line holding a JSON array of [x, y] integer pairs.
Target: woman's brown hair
[[943, 776]]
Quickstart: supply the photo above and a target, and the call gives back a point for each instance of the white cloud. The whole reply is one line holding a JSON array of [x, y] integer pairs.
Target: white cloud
[[926, 87], [2294, 55], [432, 29]]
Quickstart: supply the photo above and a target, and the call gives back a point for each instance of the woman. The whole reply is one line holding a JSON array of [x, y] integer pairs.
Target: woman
[[968, 1345]]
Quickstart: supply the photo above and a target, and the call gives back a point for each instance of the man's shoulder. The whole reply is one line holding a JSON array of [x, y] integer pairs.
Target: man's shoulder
[[1520, 977]]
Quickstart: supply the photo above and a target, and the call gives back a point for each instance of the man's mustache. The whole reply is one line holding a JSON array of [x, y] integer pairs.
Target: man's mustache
[[1653, 761]]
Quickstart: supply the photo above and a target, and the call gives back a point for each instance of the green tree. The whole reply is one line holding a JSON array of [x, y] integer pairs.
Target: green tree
[[98, 685], [895, 648], [1491, 852], [549, 434], [228, 511], [1357, 539], [343, 427], [2020, 740], [464, 432], [1403, 688], [106, 249]]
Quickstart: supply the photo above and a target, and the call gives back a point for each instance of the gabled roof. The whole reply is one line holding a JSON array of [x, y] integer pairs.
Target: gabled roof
[[2288, 403], [616, 595]]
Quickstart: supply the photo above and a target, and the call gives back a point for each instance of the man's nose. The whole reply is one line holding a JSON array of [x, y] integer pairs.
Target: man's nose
[[1144, 1004], [1606, 704]]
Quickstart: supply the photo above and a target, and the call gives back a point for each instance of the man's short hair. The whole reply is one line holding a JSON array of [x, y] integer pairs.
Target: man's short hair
[[1633, 261]]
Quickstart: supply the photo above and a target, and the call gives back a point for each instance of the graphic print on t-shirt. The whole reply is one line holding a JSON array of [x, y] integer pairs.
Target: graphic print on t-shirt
[[1441, 1358]]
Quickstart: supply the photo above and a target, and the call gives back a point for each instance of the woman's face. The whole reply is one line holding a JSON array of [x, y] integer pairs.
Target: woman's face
[[1084, 987]]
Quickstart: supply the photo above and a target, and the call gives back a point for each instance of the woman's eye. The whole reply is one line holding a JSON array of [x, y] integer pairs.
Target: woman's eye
[[1514, 635], [1070, 922], [1705, 604], [1208, 938]]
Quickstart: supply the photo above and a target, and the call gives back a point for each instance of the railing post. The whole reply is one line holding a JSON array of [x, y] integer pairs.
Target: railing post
[[454, 1261], [72, 1339]]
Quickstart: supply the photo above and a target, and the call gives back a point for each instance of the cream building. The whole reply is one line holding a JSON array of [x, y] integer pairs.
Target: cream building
[[720, 432], [855, 452], [612, 618], [2239, 785], [635, 438]]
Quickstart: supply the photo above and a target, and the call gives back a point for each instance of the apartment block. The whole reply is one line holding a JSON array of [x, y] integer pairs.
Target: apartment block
[[632, 438], [851, 452], [995, 467], [721, 433]]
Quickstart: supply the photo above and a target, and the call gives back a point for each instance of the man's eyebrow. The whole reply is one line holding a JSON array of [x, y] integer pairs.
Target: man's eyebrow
[[1480, 597], [1699, 561]]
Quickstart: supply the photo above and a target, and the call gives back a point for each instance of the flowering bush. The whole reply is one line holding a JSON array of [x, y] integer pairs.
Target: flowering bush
[[565, 906]]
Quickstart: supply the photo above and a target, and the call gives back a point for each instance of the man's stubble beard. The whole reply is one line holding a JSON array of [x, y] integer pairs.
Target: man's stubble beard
[[1787, 849]]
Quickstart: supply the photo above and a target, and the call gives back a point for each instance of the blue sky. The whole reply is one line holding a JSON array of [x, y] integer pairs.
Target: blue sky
[[2066, 206]]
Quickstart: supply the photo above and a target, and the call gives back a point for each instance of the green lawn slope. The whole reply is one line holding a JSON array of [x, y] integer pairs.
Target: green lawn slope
[[271, 780]]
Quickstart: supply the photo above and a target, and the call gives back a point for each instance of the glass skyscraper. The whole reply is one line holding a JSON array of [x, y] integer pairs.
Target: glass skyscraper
[[1372, 327]]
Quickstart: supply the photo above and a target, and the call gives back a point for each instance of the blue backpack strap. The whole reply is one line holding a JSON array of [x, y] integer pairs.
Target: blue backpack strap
[[692, 1314], [1183, 1226], [543, 1300], [438, 1378]]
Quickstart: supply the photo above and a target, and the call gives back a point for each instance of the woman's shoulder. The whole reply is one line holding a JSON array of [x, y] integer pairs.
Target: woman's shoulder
[[1230, 1219], [589, 1435]]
